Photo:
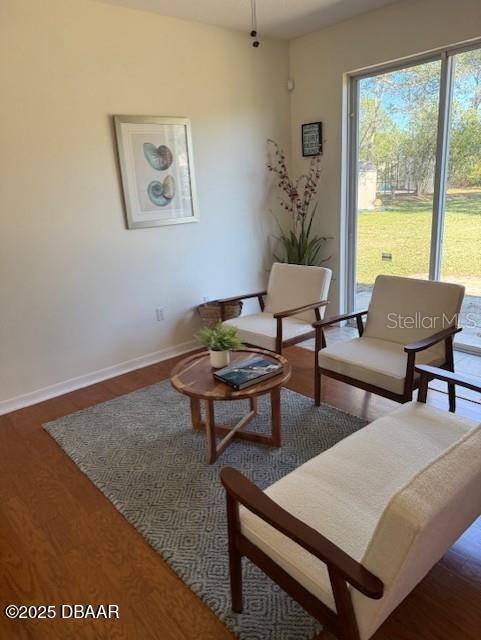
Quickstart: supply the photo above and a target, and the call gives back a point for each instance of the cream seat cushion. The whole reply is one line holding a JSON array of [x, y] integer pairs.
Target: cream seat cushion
[[346, 492], [261, 329], [294, 285], [373, 361], [405, 310], [418, 526]]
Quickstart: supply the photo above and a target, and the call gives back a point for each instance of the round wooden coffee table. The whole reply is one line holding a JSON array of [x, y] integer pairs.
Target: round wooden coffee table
[[193, 377]]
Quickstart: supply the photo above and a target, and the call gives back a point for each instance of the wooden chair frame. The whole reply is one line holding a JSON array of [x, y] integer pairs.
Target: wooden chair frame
[[343, 570], [428, 373], [410, 383], [280, 343]]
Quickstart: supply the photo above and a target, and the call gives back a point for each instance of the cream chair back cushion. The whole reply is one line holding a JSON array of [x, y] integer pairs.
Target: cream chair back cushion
[[293, 285], [405, 310], [419, 523]]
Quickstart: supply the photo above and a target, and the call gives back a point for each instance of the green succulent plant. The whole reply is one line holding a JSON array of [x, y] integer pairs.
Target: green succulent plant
[[219, 338]]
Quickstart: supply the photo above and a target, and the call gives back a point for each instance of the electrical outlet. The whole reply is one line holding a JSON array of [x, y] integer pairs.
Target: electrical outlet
[[159, 314]]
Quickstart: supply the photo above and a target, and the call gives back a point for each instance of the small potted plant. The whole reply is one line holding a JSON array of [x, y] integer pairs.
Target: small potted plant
[[220, 340]]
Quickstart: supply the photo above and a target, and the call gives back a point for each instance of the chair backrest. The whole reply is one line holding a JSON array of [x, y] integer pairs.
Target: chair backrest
[[292, 285], [420, 522], [405, 310]]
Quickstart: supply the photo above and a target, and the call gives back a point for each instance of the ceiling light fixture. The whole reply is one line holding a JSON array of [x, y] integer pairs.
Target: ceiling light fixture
[[256, 42]]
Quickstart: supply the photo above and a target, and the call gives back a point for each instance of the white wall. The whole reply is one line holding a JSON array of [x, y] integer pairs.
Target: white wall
[[78, 290], [319, 61]]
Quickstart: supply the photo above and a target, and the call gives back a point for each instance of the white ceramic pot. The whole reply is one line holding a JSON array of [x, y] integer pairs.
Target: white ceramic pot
[[219, 359]]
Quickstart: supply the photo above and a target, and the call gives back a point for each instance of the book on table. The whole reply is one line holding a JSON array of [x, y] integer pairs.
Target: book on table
[[245, 373]]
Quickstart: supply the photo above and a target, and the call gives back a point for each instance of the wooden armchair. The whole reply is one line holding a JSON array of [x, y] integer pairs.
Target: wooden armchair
[[409, 322], [296, 296], [349, 544]]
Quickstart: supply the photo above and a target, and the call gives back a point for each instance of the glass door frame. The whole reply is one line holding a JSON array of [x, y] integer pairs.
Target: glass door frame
[[445, 55]]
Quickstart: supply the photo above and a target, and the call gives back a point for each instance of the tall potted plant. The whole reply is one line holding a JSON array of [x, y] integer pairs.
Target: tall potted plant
[[298, 198]]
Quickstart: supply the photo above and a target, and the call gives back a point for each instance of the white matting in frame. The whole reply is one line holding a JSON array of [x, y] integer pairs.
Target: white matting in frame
[[156, 164]]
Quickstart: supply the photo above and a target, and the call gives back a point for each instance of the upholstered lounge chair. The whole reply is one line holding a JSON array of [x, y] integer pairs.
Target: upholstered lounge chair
[[296, 296], [409, 322], [351, 532]]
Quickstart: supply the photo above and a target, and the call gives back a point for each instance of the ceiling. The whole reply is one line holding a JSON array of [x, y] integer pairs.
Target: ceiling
[[277, 18]]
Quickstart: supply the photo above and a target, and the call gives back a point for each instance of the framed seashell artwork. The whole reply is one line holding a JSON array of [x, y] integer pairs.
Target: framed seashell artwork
[[157, 170]]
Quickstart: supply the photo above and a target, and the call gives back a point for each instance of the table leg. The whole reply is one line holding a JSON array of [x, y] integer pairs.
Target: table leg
[[213, 449], [276, 416], [195, 413], [210, 431]]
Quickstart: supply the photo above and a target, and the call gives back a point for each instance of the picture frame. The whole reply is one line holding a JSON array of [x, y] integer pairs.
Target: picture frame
[[157, 170], [311, 139]]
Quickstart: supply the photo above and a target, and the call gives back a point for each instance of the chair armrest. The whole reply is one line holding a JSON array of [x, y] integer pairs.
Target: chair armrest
[[334, 319], [425, 343], [470, 382], [306, 307], [244, 297], [248, 494]]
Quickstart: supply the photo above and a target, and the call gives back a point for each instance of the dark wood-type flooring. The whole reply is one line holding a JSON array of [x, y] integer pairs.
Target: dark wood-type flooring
[[62, 541]]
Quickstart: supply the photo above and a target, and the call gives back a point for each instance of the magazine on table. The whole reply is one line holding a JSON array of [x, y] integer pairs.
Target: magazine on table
[[245, 373]]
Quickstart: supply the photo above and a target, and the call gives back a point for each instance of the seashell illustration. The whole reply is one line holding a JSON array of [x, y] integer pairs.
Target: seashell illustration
[[159, 158], [169, 187], [155, 191]]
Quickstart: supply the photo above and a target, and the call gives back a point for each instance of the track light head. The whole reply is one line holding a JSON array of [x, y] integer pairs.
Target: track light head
[[256, 42]]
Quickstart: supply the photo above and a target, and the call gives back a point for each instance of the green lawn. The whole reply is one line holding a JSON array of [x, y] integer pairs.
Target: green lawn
[[403, 228]]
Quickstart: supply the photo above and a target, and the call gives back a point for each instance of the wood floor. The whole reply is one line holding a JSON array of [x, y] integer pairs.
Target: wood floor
[[61, 541]]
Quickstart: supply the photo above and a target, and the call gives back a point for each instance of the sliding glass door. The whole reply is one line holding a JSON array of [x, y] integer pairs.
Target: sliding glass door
[[415, 178], [461, 236], [398, 113]]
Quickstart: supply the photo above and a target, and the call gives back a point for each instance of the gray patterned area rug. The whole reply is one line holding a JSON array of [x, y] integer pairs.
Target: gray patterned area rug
[[142, 453]]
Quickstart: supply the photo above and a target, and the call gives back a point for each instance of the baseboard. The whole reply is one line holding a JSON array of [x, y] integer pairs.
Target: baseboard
[[58, 389]]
